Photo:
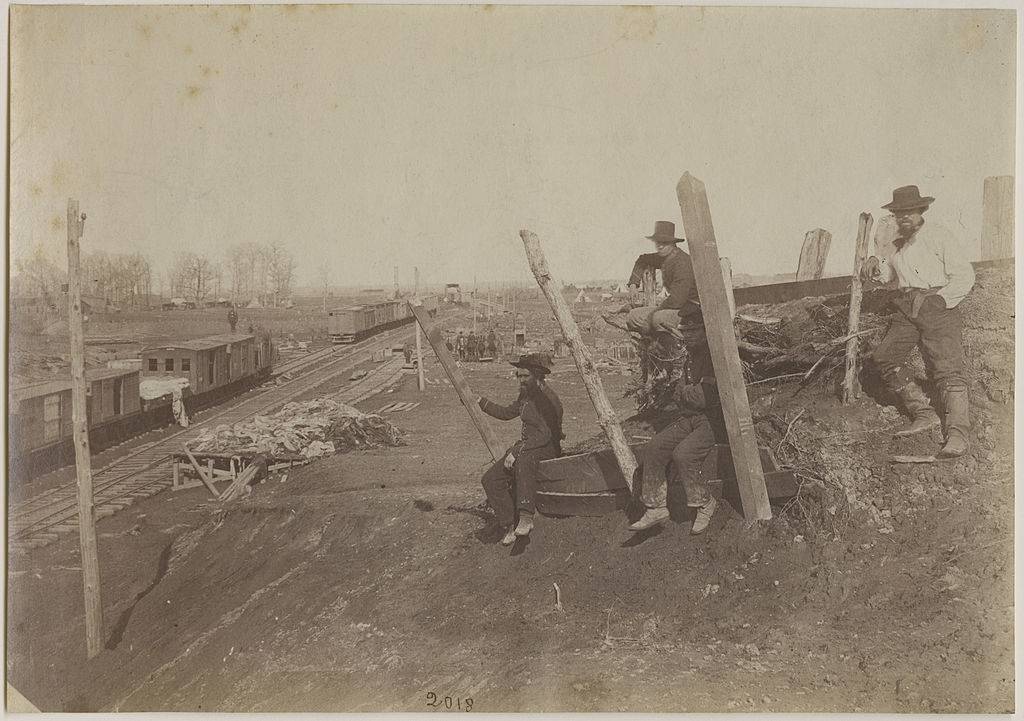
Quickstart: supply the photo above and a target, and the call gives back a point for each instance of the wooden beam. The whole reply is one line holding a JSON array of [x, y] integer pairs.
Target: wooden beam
[[813, 254], [714, 301], [80, 432], [606, 417], [997, 218], [727, 278], [208, 482], [466, 395], [851, 387]]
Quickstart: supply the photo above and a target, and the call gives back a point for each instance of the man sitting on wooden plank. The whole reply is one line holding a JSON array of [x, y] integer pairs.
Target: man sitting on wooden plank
[[677, 279], [934, 275], [511, 483], [685, 442]]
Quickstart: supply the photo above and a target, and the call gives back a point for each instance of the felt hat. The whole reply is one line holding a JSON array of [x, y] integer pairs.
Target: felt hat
[[540, 362], [908, 198], [665, 232]]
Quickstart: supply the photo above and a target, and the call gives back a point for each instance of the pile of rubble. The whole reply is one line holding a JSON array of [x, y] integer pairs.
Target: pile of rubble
[[314, 428]]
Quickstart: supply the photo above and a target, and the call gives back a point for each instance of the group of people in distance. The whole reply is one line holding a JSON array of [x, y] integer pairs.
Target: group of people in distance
[[931, 271], [473, 347]]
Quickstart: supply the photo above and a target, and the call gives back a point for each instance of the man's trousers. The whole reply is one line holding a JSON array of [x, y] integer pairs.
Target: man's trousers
[[508, 490], [686, 442]]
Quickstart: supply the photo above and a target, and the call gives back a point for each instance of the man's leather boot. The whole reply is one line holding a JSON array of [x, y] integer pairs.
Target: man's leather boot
[[923, 416], [956, 404]]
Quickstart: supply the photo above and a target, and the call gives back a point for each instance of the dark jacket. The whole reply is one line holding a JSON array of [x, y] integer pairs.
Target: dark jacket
[[676, 275], [701, 396], [541, 412]]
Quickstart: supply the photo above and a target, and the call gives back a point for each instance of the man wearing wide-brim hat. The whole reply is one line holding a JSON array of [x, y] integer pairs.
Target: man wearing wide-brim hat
[[511, 483], [677, 279], [934, 275]]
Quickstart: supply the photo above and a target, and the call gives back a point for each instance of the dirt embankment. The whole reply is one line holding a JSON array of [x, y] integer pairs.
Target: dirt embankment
[[369, 581]]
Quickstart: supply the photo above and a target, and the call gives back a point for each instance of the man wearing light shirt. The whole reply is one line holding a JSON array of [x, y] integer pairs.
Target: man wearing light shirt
[[934, 275]]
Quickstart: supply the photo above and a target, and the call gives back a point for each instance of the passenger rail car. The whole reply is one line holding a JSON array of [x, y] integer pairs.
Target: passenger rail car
[[354, 323], [39, 421], [216, 367]]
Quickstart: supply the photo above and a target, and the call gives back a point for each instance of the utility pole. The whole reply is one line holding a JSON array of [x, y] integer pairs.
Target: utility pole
[[419, 332], [80, 429], [397, 293]]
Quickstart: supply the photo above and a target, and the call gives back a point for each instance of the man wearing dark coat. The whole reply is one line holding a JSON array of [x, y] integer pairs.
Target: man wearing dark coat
[[677, 278], [686, 441], [511, 483]]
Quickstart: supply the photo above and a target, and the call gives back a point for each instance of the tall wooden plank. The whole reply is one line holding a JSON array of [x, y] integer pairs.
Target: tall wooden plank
[[436, 339], [606, 416], [727, 278], [80, 432], [997, 218], [851, 387], [813, 254], [714, 301]]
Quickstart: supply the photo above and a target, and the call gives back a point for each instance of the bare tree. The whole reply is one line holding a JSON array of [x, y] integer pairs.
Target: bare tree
[[191, 276], [38, 276], [281, 270]]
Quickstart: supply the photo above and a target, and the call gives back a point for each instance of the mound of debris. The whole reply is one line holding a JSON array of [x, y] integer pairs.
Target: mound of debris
[[314, 428]]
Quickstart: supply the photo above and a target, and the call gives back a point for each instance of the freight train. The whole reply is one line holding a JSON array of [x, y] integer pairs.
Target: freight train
[[353, 323], [216, 368]]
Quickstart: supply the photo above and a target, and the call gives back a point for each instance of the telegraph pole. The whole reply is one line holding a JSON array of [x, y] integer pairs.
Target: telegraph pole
[[419, 332], [80, 429]]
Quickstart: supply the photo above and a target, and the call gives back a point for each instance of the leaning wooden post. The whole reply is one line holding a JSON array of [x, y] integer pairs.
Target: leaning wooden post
[[80, 430], [466, 395], [813, 254], [606, 417], [419, 342], [851, 388], [714, 303]]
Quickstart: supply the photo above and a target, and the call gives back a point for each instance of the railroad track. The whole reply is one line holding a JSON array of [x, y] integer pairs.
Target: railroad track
[[43, 518]]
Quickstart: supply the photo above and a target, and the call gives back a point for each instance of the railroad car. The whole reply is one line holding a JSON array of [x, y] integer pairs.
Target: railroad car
[[216, 367], [39, 424], [354, 323]]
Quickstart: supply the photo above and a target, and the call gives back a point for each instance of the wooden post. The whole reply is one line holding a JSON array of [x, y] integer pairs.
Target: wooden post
[[419, 338], [466, 395], [851, 387], [813, 254], [714, 302], [997, 218], [80, 429], [727, 278], [606, 417], [650, 288]]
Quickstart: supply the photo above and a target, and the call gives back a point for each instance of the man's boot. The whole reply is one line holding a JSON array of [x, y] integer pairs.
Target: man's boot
[[923, 416], [956, 404]]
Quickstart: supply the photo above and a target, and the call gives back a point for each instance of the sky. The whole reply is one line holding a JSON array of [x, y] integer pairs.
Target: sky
[[364, 138]]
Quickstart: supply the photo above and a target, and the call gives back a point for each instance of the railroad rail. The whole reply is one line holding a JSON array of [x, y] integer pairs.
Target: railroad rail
[[146, 471]]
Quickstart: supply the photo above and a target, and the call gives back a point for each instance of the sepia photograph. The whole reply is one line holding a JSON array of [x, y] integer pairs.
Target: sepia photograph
[[510, 358]]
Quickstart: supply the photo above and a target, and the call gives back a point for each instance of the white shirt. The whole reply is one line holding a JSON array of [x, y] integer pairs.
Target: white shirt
[[931, 258]]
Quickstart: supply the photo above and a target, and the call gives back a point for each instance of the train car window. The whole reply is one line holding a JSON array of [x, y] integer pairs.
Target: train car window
[[168, 364], [186, 364], [153, 364], [51, 417]]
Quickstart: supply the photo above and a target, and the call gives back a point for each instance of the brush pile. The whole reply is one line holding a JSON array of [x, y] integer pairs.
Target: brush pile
[[315, 428]]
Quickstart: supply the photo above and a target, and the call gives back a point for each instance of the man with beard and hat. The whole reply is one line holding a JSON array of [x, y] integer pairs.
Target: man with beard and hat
[[933, 273], [511, 483], [677, 279], [686, 441]]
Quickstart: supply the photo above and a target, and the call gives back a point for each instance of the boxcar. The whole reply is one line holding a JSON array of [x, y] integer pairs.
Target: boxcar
[[216, 366], [39, 427], [354, 323]]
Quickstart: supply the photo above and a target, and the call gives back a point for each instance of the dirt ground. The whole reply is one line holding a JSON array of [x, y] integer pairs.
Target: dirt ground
[[368, 582]]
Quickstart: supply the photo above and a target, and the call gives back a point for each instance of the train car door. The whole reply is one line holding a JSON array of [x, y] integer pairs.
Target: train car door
[[118, 390], [211, 367]]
